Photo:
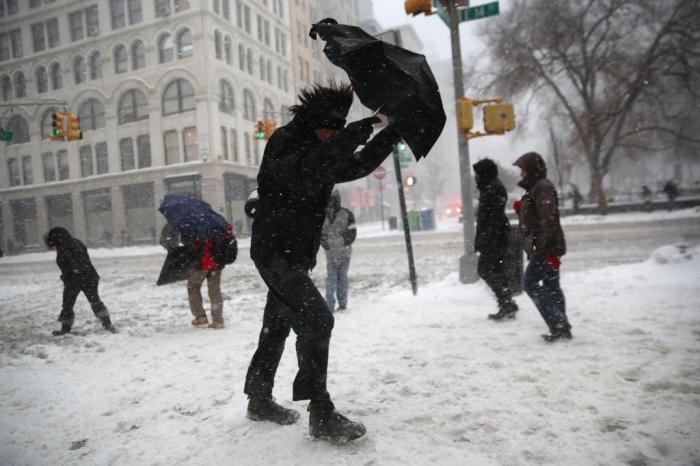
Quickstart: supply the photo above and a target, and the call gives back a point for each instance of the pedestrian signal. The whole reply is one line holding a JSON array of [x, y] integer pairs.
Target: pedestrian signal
[[73, 133], [416, 7], [465, 114], [499, 118], [260, 130], [401, 146], [411, 180], [58, 128]]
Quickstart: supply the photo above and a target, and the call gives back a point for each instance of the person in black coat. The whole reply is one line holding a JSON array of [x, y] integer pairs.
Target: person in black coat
[[78, 274], [302, 162], [492, 230]]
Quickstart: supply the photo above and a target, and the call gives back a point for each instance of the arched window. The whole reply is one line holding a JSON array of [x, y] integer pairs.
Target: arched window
[[178, 97], [20, 127], [138, 55], [6, 88], [217, 45], [269, 71], [249, 60], [20, 85], [96, 65], [184, 44], [121, 59], [241, 57], [165, 48], [42, 80], [47, 123], [228, 50], [56, 76], [268, 109], [133, 106], [248, 105], [92, 115], [79, 70], [226, 101], [261, 64]]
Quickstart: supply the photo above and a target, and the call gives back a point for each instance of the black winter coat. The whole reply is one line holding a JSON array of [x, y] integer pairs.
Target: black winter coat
[[492, 225], [72, 258], [295, 181]]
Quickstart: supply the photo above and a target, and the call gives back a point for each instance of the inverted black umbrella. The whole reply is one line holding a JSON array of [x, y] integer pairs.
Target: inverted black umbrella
[[177, 265], [388, 78]]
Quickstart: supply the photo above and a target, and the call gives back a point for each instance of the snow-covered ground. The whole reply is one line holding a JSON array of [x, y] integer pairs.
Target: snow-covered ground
[[434, 381]]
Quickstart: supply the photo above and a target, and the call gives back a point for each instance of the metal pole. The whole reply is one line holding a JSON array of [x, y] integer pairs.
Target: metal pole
[[467, 263], [404, 218], [381, 201]]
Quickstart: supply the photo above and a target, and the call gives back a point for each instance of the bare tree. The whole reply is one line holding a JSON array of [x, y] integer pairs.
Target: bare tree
[[603, 64]]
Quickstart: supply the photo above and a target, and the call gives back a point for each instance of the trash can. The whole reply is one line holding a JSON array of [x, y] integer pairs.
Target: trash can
[[393, 223], [427, 219], [413, 220]]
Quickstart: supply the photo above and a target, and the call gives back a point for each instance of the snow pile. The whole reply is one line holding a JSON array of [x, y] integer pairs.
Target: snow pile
[[674, 253]]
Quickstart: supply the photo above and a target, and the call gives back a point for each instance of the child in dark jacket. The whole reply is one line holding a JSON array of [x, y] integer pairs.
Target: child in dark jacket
[[77, 274]]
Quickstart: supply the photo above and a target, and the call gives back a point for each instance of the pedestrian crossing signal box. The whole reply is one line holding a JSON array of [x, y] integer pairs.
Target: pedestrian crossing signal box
[[499, 118], [465, 114], [416, 7]]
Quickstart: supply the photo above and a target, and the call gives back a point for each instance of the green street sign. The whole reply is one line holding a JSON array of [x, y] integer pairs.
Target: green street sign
[[6, 135], [405, 160], [468, 14]]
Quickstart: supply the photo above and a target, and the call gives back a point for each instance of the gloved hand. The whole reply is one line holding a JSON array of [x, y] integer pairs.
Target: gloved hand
[[516, 206], [554, 262], [359, 131]]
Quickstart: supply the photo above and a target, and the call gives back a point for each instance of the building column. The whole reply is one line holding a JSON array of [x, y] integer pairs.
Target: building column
[[118, 214], [156, 131], [79, 217]]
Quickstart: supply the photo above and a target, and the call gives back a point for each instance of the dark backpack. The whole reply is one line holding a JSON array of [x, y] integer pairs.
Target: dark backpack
[[224, 249]]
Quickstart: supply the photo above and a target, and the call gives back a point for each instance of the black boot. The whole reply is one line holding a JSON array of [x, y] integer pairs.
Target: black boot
[[65, 328], [558, 334], [506, 310], [265, 409], [107, 325], [328, 424]]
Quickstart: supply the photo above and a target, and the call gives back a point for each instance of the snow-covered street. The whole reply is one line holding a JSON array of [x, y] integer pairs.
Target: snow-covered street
[[434, 381]]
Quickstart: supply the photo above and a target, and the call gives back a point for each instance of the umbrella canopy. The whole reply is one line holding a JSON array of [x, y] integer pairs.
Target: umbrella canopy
[[192, 217], [177, 265], [393, 80]]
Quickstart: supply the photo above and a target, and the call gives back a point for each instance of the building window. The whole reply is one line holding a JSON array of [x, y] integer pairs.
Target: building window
[[38, 38], [248, 152], [269, 71], [92, 115], [52, 32], [217, 10], [12, 7], [178, 97], [79, 70], [188, 185], [162, 8], [190, 143], [75, 20], [20, 85], [126, 153], [101, 158], [143, 146], [92, 21], [234, 145], [121, 59], [86, 168], [4, 45], [266, 33], [284, 115], [184, 44], [47, 161], [165, 48], [135, 11], [19, 126], [248, 105], [138, 55], [42, 80], [228, 50], [249, 61], [226, 9], [95, 65], [63, 168], [241, 57], [13, 170], [182, 5], [46, 123], [133, 106], [25, 223], [172, 148], [217, 45], [224, 142], [260, 28], [16, 43], [56, 76], [226, 100], [27, 172], [118, 13], [261, 65], [268, 109], [246, 19], [6, 88]]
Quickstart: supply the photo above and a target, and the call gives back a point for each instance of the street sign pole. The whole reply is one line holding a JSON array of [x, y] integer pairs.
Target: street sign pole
[[468, 262], [404, 220], [381, 201]]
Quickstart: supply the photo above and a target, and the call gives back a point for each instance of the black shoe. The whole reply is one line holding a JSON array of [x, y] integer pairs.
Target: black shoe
[[503, 315], [328, 424], [265, 409], [64, 330], [107, 325], [558, 334], [342, 308]]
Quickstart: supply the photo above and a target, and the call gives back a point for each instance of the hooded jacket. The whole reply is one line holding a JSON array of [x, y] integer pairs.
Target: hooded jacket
[[492, 225], [339, 231], [71, 257], [539, 210], [295, 181]]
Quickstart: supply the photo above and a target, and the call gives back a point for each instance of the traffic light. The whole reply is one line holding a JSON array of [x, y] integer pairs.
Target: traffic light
[[73, 133], [58, 126], [499, 118], [260, 130], [411, 180], [416, 7], [401, 146], [465, 114]]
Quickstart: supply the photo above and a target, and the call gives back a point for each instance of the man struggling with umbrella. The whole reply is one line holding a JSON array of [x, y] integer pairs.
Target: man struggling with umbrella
[[302, 162]]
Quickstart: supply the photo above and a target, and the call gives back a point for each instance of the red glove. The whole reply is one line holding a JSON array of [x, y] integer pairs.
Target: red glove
[[554, 262], [516, 206]]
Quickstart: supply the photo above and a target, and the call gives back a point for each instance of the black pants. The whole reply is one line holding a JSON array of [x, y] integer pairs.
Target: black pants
[[491, 268], [71, 290], [293, 302]]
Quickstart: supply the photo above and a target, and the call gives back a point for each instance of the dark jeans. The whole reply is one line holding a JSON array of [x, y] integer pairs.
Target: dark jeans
[[71, 290], [337, 281], [492, 269], [541, 283], [292, 302]]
